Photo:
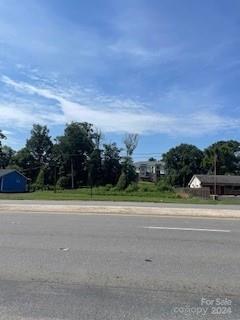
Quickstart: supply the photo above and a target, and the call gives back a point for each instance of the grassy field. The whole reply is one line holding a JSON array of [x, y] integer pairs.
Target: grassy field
[[147, 192]]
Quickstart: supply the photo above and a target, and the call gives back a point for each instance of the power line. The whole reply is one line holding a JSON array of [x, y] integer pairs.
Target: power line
[[30, 169], [147, 153]]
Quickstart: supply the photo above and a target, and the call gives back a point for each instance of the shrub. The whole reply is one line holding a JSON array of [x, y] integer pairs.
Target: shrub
[[108, 187], [182, 195], [100, 190], [32, 187], [40, 181], [133, 187], [122, 182], [63, 182], [114, 189], [164, 186], [147, 187]]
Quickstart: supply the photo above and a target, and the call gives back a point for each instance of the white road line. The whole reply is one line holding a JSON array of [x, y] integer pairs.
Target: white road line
[[187, 229]]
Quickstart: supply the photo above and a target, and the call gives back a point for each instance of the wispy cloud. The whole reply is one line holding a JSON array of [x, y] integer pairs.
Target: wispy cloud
[[15, 115], [159, 69], [143, 54], [111, 114]]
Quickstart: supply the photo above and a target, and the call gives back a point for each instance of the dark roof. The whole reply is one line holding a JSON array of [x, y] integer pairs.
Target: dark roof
[[220, 179], [4, 172]]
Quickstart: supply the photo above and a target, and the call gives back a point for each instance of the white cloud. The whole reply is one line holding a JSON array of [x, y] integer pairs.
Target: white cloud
[[14, 115], [111, 114]]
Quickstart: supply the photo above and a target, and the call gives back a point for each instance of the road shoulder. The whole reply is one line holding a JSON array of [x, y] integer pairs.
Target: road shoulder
[[117, 208]]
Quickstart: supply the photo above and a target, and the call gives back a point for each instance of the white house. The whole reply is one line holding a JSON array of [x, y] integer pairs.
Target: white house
[[149, 170], [224, 184], [195, 182]]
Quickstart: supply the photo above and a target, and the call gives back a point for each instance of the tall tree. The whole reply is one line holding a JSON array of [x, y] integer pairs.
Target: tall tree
[[95, 172], [181, 163], [97, 137], [227, 157], [131, 142], [2, 137], [111, 163], [40, 145], [94, 167], [24, 161], [6, 156], [76, 146], [128, 174]]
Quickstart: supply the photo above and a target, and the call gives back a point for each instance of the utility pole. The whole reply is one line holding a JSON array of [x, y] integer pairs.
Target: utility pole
[[55, 178], [72, 173], [215, 174]]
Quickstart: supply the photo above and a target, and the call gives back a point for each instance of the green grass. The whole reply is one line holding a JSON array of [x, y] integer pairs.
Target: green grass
[[147, 192]]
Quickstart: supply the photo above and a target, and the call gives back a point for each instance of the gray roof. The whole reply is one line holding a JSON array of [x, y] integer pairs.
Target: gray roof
[[148, 163], [4, 172], [220, 179]]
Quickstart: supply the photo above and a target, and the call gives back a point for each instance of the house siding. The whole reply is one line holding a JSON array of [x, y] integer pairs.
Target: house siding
[[225, 185], [149, 170], [196, 183], [13, 182]]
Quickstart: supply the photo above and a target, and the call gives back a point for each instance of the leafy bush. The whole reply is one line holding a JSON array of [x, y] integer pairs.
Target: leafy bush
[[100, 190], [147, 187], [63, 182], [114, 189], [122, 182], [40, 181], [108, 187], [133, 187], [32, 187], [49, 187], [164, 186]]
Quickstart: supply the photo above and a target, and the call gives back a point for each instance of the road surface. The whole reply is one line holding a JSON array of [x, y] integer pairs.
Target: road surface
[[118, 267]]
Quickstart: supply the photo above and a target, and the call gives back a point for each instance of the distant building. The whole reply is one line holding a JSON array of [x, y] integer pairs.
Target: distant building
[[149, 170], [12, 181], [225, 185]]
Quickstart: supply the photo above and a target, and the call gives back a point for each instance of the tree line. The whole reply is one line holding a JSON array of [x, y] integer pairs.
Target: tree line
[[80, 158], [77, 158], [185, 160]]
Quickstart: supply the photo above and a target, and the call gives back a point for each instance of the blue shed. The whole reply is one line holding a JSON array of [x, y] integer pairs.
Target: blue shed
[[12, 181]]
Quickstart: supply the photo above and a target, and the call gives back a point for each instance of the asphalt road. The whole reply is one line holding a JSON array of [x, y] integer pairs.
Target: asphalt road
[[118, 267]]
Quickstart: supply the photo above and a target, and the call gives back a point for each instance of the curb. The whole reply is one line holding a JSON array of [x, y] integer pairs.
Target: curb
[[118, 210]]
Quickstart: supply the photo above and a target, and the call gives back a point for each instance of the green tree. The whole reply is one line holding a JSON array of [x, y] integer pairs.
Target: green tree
[[94, 163], [111, 163], [6, 156], [24, 161], [40, 181], [128, 174], [227, 157], [75, 147], [181, 163], [2, 137], [122, 182], [40, 145], [94, 166]]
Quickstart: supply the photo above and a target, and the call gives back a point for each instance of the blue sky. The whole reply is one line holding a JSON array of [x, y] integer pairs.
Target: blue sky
[[166, 69]]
